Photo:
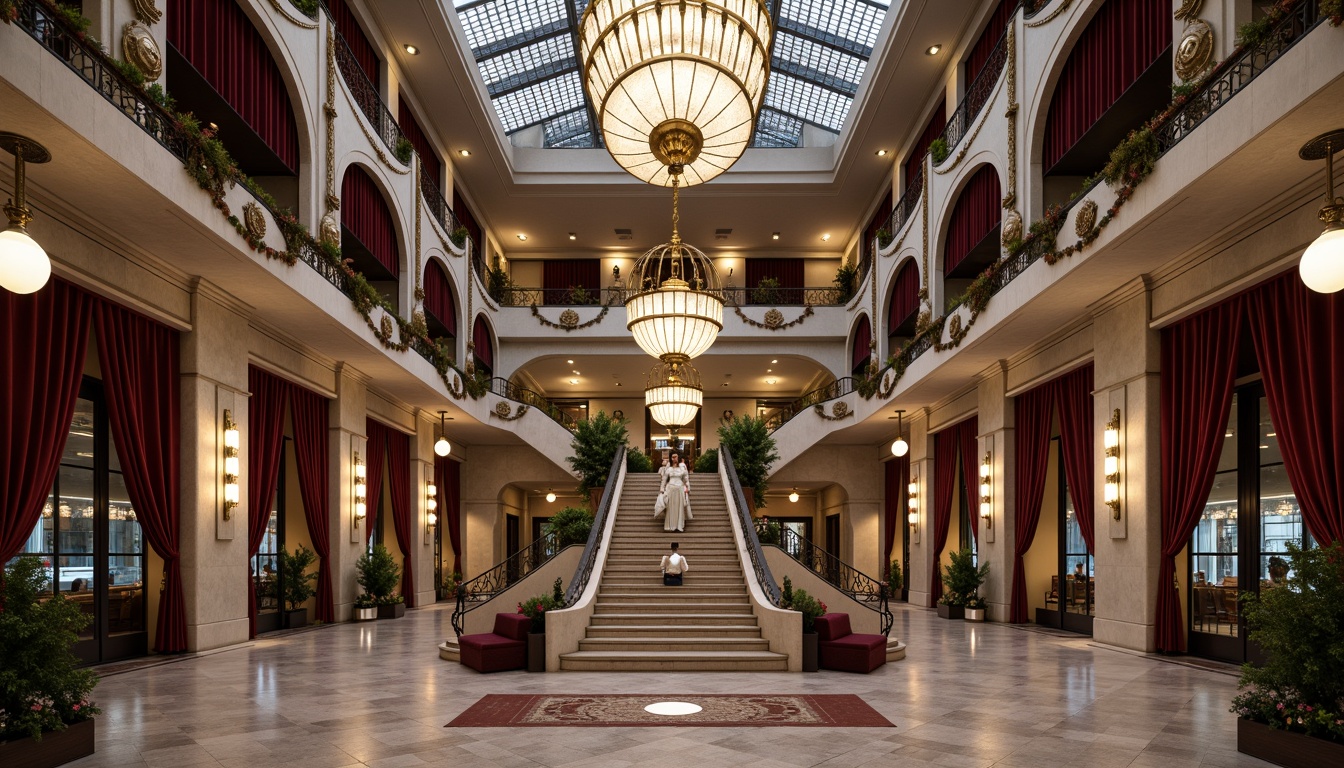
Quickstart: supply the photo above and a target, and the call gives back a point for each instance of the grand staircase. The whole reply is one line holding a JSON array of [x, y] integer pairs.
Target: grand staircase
[[638, 625]]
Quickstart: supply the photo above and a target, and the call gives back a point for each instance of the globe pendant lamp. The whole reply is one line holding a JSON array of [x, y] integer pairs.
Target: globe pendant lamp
[[24, 266], [441, 445], [670, 77], [673, 394], [899, 447], [1322, 266]]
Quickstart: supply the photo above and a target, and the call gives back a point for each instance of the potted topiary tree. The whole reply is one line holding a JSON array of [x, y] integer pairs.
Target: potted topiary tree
[[799, 600], [45, 715], [366, 608], [895, 581], [753, 451], [379, 575], [596, 440], [961, 582], [297, 587]]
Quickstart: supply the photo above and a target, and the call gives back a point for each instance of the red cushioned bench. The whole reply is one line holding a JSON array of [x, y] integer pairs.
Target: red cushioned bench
[[505, 648], [839, 648]]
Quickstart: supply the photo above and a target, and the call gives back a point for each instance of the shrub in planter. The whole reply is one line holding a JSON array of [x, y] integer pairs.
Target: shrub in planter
[[638, 461], [962, 580], [451, 584], [570, 525], [753, 449], [798, 600], [535, 608], [596, 440], [845, 277], [41, 690], [378, 572], [366, 607], [298, 585], [895, 580], [767, 292]]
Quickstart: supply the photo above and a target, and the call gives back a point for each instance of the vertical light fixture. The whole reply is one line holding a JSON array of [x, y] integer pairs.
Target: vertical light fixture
[[912, 507], [1322, 266], [431, 509], [441, 445], [24, 266], [899, 448], [986, 490], [232, 467], [361, 491], [1111, 442]]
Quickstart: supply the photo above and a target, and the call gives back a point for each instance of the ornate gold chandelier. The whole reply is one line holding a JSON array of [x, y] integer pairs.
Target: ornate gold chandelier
[[673, 394]]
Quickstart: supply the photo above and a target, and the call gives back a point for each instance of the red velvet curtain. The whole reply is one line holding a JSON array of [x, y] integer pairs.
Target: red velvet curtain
[[218, 39], [879, 220], [789, 272], [410, 128], [1299, 342], [1031, 450], [139, 359], [1120, 43], [559, 275], [897, 479], [977, 213], [439, 297], [265, 444], [970, 471], [448, 478], [984, 45], [376, 449], [484, 344], [309, 411], [904, 302], [914, 162], [42, 363], [1198, 366], [863, 339], [403, 514], [462, 212], [346, 24], [1074, 392], [364, 214], [945, 446]]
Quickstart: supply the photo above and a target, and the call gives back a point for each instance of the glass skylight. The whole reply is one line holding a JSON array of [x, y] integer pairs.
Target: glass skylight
[[527, 54]]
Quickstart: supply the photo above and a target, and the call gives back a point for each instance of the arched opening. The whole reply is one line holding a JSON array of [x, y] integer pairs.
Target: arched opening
[[1117, 76], [440, 309], [903, 305], [484, 345], [369, 232], [862, 350], [972, 242], [220, 69]]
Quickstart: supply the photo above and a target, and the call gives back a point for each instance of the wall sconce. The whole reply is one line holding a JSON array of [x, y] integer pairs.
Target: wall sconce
[[441, 446], [24, 266], [232, 467], [912, 505], [361, 492], [616, 272], [793, 497], [1322, 266], [986, 488], [431, 509], [899, 448], [1111, 441], [728, 414]]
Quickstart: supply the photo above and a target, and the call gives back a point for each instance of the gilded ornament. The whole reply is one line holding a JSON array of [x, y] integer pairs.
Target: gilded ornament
[[329, 231], [954, 328], [1195, 51], [1012, 227], [385, 327], [1087, 218], [502, 409], [254, 220], [1189, 10], [569, 318], [840, 409], [146, 12], [774, 318], [138, 47]]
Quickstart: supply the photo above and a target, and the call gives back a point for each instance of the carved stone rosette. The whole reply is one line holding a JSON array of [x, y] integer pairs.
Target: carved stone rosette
[[329, 231], [1012, 227], [1087, 218], [1194, 53], [254, 220], [774, 318], [139, 48], [569, 318]]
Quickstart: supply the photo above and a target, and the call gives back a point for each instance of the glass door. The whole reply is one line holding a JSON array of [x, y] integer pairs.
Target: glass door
[[1078, 601], [266, 575]]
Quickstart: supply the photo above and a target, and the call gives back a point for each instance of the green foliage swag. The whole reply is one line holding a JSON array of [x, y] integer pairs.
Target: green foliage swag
[[748, 439], [596, 440]]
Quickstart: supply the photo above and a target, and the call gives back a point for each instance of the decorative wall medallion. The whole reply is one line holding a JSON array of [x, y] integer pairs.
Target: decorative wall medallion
[[954, 327], [139, 48], [386, 326], [1195, 51], [254, 220], [840, 409], [502, 408], [1012, 227], [774, 318], [569, 318], [329, 231], [1189, 9], [1087, 218], [146, 12]]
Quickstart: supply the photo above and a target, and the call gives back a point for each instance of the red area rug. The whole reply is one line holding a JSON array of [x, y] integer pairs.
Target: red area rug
[[627, 710]]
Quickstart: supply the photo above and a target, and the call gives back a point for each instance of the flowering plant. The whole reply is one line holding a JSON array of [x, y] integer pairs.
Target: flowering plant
[[535, 608]]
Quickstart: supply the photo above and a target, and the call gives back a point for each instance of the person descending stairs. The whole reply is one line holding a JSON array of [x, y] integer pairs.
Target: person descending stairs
[[706, 624]]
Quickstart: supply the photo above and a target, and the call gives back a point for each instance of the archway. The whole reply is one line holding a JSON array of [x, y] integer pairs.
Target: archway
[[972, 241], [369, 232]]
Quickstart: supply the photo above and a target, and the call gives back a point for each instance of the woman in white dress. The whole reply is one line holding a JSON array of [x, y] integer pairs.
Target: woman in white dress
[[676, 486]]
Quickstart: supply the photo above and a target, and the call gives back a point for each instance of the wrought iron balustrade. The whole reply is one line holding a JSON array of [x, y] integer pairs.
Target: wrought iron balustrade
[[857, 585], [482, 589], [837, 388], [759, 566], [908, 204], [583, 573], [366, 95], [561, 297], [977, 96], [784, 296], [438, 206], [507, 389]]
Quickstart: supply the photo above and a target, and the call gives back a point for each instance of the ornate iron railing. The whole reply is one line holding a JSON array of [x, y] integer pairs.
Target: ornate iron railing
[[438, 206], [977, 96], [769, 296], [366, 96], [507, 389], [857, 585], [584, 571], [312, 255], [482, 589], [837, 388], [907, 205], [772, 296], [758, 564], [560, 297]]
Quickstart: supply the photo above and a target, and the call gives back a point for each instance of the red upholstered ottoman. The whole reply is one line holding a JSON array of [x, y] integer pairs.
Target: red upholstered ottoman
[[505, 648], [840, 649]]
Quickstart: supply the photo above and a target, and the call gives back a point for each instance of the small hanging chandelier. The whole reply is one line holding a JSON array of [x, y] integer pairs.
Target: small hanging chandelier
[[1322, 265], [673, 394]]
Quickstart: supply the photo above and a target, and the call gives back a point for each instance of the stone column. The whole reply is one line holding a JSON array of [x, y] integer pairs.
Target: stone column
[[213, 545], [1127, 549], [422, 534], [922, 554], [995, 543], [346, 425]]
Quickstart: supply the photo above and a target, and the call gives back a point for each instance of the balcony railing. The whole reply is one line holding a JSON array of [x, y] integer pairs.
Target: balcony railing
[[977, 96], [561, 297], [366, 96], [908, 204], [855, 584], [507, 389], [615, 296], [837, 388], [438, 206]]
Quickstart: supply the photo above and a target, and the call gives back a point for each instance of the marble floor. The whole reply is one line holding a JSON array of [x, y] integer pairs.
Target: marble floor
[[378, 695]]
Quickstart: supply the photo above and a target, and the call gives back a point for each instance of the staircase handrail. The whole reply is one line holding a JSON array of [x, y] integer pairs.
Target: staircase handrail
[[484, 588], [584, 570], [764, 578], [863, 589]]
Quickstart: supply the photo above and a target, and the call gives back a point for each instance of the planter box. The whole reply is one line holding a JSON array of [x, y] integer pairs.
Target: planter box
[[810, 663], [536, 652], [951, 611], [975, 614], [366, 614], [296, 619], [55, 748], [394, 611], [1280, 747]]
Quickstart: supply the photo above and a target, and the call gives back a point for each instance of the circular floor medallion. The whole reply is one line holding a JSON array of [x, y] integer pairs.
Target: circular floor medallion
[[673, 708]]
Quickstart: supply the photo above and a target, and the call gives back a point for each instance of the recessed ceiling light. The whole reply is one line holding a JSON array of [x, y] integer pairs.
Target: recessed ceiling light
[[933, 50], [769, 370], [569, 362], [464, 152], [573, 381], [771, 381], [576, 373], [411, 49], [774, 236], [619, 384], [521, 236], [573, 236], [826, 237], [772, 362], [881, 153]]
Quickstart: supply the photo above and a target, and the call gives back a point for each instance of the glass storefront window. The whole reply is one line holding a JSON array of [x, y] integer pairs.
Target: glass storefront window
[[1080, 586]]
